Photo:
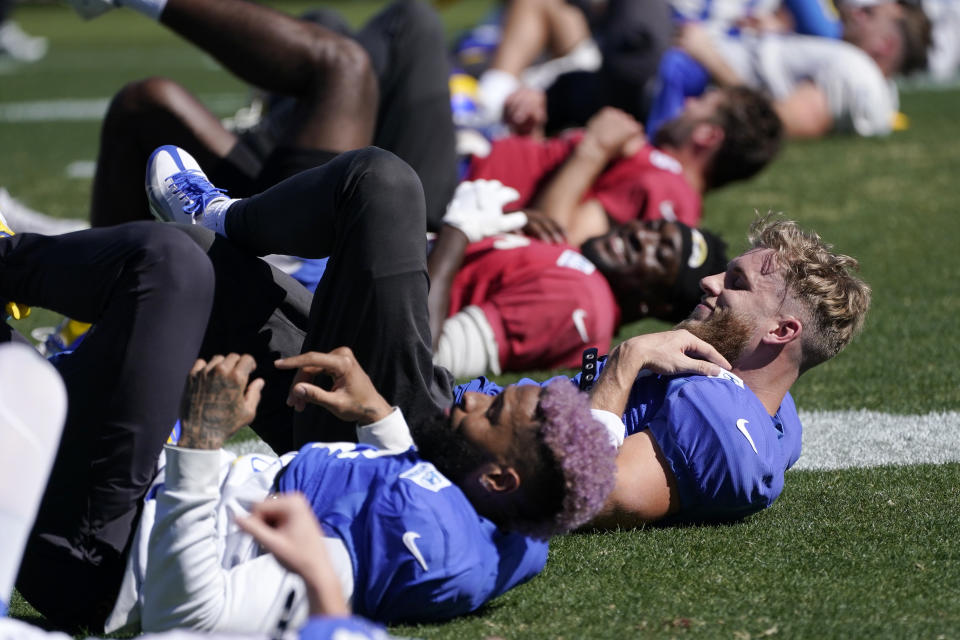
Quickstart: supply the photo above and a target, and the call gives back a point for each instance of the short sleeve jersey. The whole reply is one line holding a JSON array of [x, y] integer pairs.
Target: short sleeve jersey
[[545, 303], [649, 185], [420, 551], [727, 454], [860, 99]]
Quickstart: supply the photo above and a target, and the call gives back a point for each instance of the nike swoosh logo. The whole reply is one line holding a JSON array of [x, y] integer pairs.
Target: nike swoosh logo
[[742, 427], [578, 316], [410, 542]]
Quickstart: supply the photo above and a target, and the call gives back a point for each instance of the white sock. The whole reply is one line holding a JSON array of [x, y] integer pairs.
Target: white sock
[[149, 8], [215, 215], [33, 406], [585, 56], [494, 87]]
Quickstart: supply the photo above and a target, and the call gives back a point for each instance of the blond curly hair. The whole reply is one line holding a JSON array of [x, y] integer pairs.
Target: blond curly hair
[[835, 300]]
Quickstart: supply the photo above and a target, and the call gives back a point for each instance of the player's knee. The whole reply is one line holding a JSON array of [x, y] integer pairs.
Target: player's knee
[[421, 23], [391, 190], [144, 96], [341, 62], [385, 173], [174, 264]]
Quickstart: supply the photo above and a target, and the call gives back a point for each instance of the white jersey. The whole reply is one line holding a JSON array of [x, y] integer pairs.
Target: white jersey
[[719, 16], [860, 99]]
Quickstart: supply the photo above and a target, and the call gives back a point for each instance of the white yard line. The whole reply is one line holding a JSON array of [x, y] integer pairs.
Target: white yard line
[[85, 109], [844, 439]]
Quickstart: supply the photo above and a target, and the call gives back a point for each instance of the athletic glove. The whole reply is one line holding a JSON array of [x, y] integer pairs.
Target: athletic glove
[[477, 209]]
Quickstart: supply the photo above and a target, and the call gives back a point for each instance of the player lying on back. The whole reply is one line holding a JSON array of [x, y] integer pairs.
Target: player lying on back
[[33, 406], [705, 448], [414, 535], [423, 532], [512, 303]]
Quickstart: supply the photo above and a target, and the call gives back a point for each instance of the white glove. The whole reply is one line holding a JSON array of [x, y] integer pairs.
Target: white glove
[[477, 209]]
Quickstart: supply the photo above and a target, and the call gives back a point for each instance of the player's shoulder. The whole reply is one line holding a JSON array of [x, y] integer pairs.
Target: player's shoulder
[[725, 382], [710, 394]]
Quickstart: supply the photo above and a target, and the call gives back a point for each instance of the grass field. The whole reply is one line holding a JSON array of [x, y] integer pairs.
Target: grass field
[[847, 553]]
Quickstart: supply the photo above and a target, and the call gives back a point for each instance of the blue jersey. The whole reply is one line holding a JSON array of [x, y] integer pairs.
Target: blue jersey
[[420, 550], [727, 454], [351, 628]]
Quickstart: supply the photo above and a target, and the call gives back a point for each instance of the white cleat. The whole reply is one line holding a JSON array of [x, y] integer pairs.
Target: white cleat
[[177, 188]]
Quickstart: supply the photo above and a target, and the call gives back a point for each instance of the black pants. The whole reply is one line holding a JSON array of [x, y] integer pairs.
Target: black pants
[[632, 35], [406, 44], [149, 287]]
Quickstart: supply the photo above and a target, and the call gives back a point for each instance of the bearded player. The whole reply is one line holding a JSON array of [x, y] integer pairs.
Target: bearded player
[[705, 448]]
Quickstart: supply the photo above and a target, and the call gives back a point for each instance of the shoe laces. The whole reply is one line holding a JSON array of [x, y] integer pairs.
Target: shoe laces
[[193, 188]]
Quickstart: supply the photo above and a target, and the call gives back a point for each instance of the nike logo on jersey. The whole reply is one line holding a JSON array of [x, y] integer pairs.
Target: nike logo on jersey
[[410, 542], [578, 316], [742, 428]]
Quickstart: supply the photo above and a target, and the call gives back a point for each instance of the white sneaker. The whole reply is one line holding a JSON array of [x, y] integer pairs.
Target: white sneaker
[[90, 9], [177, 188], [586, 56], [19, 45]]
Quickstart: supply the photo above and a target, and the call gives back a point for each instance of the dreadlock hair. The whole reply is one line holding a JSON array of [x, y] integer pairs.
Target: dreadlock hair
[[567, 464]]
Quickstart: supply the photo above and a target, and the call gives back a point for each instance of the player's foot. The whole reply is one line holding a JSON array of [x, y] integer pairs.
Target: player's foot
[[89, 9], [19, 45], [14, 310], [177, 189]]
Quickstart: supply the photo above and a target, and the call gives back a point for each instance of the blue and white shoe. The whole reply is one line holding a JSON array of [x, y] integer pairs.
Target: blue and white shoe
[[177, 188]]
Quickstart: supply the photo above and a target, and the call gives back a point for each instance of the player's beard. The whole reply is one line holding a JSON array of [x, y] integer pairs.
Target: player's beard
[[438, 442], [728, 332]]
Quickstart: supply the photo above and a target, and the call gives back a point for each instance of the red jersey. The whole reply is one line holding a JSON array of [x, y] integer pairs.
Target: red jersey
[[546, 303], [649, 185]]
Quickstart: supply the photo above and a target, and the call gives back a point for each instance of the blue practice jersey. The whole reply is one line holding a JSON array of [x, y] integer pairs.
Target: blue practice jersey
[[351, 628], [420, 550], [727, 454]]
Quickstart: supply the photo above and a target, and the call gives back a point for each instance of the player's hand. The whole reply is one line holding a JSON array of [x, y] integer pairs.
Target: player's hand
[[668, 353], [525, 111], [543, 227], [612, 133], [353, 398], [286, 527], [477, 209], [218, 401]]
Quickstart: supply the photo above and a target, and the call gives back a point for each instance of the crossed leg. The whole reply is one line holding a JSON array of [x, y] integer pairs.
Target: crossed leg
[[342, 98]]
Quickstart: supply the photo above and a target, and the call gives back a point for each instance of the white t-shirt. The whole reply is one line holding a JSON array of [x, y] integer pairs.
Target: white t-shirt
[[860, 98]]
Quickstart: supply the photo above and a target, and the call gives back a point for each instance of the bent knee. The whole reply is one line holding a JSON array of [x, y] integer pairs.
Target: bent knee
[[170, 260], [146, 95], [339, 59], [390, 189]]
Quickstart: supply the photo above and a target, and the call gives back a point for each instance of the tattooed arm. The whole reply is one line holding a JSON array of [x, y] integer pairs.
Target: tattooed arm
[[217, 401]]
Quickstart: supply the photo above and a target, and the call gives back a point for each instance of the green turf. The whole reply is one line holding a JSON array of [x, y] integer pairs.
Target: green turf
[[850, 554], [866, 553]]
